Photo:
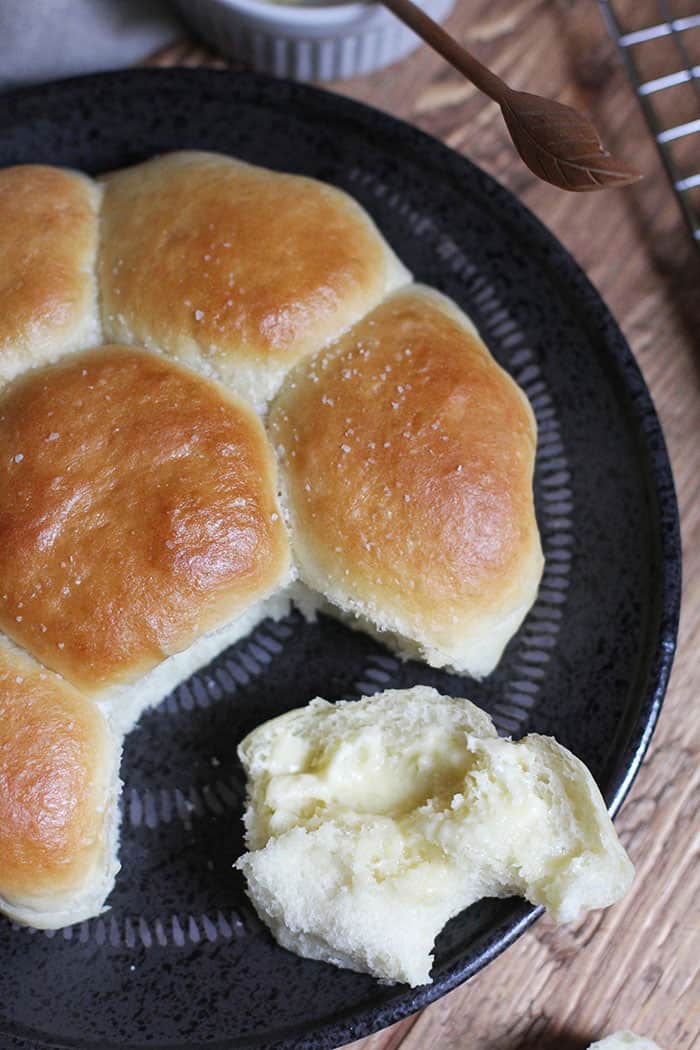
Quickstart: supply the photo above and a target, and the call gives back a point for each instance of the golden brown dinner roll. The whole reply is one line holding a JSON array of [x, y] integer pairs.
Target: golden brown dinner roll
[[48, 242], [235, 268], [407, 458], [58, 783], [137, 511]]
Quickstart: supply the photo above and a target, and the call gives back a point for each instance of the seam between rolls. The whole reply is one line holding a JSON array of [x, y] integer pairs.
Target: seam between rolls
[[100, 191]]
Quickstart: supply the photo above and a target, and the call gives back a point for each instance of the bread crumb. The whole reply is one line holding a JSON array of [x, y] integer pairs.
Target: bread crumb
[[408, 807]]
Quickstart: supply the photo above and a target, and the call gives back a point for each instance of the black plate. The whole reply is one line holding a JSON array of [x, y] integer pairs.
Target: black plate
[[180, 960]]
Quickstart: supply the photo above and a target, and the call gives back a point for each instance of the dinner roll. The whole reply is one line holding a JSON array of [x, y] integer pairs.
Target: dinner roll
[[137, 512], [407, 458], [235, 268], [58, 785], [140, 528], [371, 823], [48, 241]]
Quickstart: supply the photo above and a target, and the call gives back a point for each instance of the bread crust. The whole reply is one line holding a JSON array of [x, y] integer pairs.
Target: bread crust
[[137, 512], [57, 775], [235, 267], [48, 235], [407, 457]]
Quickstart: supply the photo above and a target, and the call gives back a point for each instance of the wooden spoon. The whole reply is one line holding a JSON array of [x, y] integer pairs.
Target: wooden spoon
[[557, 143]]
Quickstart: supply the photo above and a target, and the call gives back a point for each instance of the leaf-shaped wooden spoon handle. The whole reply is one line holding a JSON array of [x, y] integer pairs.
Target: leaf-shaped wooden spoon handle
[[557, 143]]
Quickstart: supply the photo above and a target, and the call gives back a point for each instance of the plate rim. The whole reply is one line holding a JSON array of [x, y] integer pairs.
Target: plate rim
[[559, 263]]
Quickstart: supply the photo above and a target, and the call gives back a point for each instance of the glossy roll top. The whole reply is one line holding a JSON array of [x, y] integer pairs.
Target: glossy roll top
[[137, 511], [236, 267], [58, 788], [48, 245], [407, 458]]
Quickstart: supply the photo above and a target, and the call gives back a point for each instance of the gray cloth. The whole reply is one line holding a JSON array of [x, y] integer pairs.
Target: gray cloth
[[46, 39]]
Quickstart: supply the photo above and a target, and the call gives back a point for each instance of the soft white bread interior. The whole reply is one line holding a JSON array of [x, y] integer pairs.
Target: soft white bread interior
[[48, 244], [624, 1041], [406, 458], [370, 823], [234, 268]]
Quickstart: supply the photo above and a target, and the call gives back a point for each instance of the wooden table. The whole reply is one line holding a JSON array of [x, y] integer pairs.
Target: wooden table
[[638, 964]]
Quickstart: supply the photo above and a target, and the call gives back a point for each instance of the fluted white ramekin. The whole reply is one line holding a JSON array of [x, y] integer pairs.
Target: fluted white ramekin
[[305, 41]]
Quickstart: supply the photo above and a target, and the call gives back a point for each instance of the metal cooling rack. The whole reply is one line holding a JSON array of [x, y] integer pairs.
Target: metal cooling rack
[[649, 92]]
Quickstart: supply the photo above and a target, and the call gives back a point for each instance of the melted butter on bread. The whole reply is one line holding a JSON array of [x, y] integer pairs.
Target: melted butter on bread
[[371, 823]]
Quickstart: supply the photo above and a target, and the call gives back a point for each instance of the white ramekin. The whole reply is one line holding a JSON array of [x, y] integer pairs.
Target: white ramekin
[[319, 42]]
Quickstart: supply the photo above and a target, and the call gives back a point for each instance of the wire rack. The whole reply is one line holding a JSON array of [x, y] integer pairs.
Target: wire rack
[[660, 48]]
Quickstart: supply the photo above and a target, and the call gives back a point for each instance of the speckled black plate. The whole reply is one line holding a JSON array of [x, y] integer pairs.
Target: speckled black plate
[[179, 959]]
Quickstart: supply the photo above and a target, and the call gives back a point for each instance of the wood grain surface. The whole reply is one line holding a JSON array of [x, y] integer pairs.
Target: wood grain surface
[[637, 965]]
